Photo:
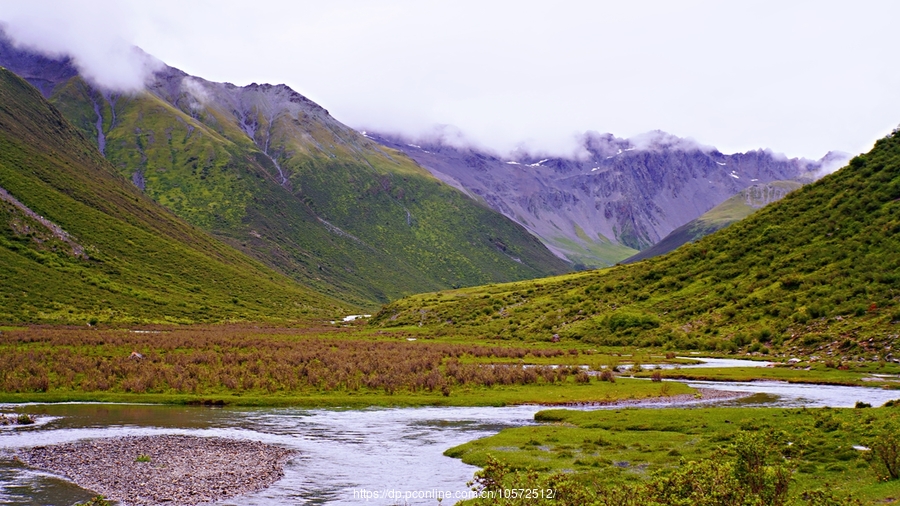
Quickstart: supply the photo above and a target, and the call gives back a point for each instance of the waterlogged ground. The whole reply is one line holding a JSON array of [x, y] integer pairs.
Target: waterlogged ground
[[345, 456]]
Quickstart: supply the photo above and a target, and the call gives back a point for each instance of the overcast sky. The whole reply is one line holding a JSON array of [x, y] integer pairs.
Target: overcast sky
[[800, 78]]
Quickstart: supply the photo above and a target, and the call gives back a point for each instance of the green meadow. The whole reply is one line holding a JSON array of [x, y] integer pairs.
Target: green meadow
[[696, 456]]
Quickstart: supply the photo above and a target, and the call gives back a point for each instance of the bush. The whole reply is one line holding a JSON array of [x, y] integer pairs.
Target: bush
[[767, 482], [886, 454], [582, 377], [623, 321], [748, 479]]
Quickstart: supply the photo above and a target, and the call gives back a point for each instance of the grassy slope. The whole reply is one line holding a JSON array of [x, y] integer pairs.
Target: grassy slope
[[403, 232], [731, 211], [144, 264], [816, 271], [591, 252]]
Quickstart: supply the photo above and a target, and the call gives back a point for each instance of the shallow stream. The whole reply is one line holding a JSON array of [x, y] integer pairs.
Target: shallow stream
[[343, 454]]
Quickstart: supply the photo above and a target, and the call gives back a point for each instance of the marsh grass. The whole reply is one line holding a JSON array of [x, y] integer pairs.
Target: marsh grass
[[244, 365], [602, 450]]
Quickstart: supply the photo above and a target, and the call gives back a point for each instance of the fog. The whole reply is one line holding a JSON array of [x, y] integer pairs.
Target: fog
[[800, 78]]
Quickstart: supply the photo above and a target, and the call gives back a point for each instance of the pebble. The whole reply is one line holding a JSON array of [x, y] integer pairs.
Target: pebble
[[183, 470]]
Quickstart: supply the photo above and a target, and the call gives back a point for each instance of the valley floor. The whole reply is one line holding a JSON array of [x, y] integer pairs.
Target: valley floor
[[619, 450]]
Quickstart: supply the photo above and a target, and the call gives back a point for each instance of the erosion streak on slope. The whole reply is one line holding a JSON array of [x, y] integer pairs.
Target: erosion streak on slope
[[101, 138], [56, 230]]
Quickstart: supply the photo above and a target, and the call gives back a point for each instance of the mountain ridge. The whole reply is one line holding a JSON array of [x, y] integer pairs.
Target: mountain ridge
[[619, 196], [815, 272], [732, 210], [274, 175], [80, 244]]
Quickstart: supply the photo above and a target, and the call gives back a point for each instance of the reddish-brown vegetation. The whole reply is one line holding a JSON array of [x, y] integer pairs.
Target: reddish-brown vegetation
[[235, 359]]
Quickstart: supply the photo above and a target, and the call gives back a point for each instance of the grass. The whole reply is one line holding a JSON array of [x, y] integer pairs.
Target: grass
[[626, 446], [811, 274], [736, 208], [312, 366], [355, 221], [138, 262], [589, 252], [568, 393]]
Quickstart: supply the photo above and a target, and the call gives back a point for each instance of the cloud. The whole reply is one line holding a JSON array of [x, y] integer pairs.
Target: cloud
[[196, 91], [519, 70], [98, 51], [657, 139], [831, 162]]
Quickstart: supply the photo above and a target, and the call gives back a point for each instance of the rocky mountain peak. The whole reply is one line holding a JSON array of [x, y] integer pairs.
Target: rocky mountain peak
[[619, 196]]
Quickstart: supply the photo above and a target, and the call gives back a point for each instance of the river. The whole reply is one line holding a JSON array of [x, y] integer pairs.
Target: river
[[342, 453]]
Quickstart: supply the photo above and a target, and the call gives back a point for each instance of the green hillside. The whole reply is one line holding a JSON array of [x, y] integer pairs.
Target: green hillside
[[817, 270], [736, 208], [271, 173], [80, 244]]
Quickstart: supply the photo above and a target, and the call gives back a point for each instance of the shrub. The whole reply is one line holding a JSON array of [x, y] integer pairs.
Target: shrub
[[886, 454], [768, 482], [623, 321], [582, 377]]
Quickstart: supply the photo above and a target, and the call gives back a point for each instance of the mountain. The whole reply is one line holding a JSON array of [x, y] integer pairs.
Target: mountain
[[816, 271], [275, 176], [615, 198], [79, 243], [734, 209]]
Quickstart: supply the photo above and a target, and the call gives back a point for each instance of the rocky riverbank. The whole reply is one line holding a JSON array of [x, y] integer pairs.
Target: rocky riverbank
[[149, 470], [14, 419]]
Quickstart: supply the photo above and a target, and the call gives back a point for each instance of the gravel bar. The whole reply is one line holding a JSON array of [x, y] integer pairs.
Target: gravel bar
[[705, 395], [182, 470]]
